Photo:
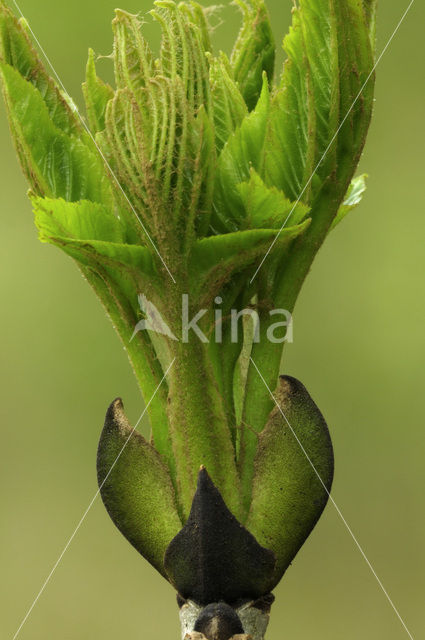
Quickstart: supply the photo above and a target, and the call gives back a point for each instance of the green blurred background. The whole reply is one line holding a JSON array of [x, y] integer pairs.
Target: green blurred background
[[359, 347]]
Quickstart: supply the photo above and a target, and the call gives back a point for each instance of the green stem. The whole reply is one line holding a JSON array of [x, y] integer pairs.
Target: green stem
[[146, 366], [199, 429], [224, 357], [267, 355]]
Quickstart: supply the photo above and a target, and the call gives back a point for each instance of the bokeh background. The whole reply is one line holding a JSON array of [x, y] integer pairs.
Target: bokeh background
[[359, 347]]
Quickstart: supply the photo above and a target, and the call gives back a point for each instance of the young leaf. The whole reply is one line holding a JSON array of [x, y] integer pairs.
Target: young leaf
[[96, 239], [129, 266], [356, 80], [243, 150], [183, 53], [56, 164], [304, 110], [157, 126], [82, 220], [229, 107], [268, 208], [215, 260], [132, 55], [288, 496], [200, 174], [136, 488], [198, 15], [319, 117], [129, 137], [96, 95], [183, 61], [254, 51], [17, 51]]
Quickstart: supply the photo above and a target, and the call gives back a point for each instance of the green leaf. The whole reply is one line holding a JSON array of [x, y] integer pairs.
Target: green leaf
[[183, 53], [96, 95], [17, 51], [357, 81], [268, 207], [228, 104], [56, 164], [132, 55], [66, 165], [304, 111], [78, 220], [312, 132], [353, 198], [157, 126], [184, 63], [200, 174], [129, 142], [149, 163], [216, 259], [96, 240], [90, 234], [129, 265], [288, 497], [198, 15], [136, 488], [254, 51], [244, 150]]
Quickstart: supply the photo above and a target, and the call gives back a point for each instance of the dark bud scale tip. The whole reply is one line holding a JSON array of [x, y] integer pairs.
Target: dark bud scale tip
[[214, 558]]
